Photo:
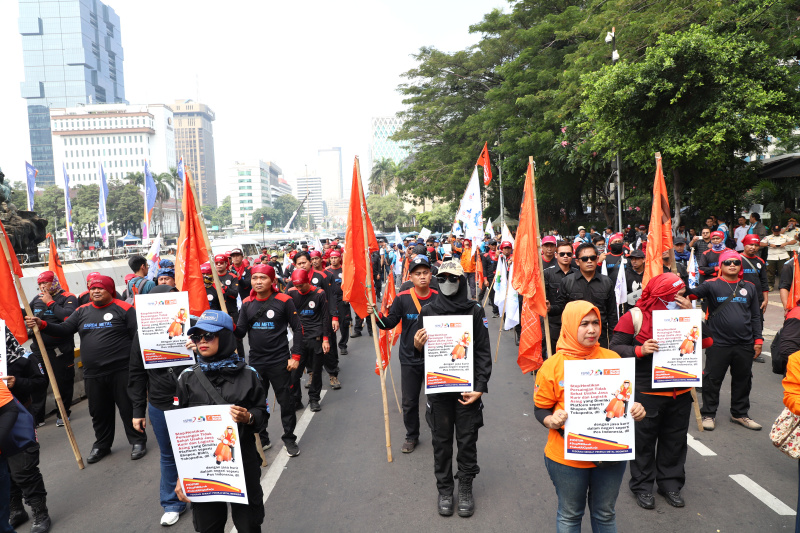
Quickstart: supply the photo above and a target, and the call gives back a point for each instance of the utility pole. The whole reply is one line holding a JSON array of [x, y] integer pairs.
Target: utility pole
[[611, 37], [502, 205]]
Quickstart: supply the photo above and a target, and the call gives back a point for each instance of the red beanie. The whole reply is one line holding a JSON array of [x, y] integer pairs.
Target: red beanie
[[46, 277], [263, 269], [104, 282], [299, 276]]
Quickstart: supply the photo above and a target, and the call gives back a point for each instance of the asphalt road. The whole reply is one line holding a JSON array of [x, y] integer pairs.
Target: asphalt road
[[343, 482]]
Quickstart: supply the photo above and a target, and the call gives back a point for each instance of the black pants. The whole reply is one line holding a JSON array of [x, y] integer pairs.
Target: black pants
[[661, 443], [378, 283], [358, 324], [555, 332], [235, 317], [312, 353], [444, 415], [281, 380], [718, 359], [344, 324], [411, 377], [26, 479], [103, 393], [330, 360], [64, 372]]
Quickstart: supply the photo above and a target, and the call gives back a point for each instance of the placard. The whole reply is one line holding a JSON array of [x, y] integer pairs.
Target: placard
[[163, 321], [205, 442], [424, 234], [598, 396], [4, 353], [449, 353], [679, 359]]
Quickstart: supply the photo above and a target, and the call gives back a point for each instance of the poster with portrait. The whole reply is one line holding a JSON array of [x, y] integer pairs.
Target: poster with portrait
[[598, 396], [679, 359], [205, 442], [4, 353], [163, 321], [448, 354]]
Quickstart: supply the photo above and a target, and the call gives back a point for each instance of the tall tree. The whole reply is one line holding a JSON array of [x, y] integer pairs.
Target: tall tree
[[286, 205], [386, 211], [50, 204], [383, 176], [85, 208], [125, 205]]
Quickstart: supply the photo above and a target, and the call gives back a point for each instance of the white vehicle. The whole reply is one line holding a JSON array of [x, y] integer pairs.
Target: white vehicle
[[249, 246]]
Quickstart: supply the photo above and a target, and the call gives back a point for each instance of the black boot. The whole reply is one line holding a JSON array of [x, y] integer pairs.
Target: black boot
[[17, 514], [41, 519], [446, 504], [466, 502]]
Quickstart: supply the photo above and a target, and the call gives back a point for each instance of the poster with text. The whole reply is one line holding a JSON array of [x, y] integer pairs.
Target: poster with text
[[448, 353], [679, 359], [598, 396], [163, 322], [205, 442], [4, 354]]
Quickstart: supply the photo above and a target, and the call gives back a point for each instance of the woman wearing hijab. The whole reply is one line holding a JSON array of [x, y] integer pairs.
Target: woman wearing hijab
[[661, 437], [452, 411], [577, 481]]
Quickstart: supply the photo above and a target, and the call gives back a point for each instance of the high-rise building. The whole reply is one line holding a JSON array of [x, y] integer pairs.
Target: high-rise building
[[194, 141], [315, 204], [72, 53], [251, 184], [118, 136], [380, 144], [329, 168]]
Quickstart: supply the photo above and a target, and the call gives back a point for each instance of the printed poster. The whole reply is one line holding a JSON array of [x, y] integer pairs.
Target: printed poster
[[163, 322], [679, 360], [598, 396], [448, 354], [4, 353], [205, 441], [424, 234]]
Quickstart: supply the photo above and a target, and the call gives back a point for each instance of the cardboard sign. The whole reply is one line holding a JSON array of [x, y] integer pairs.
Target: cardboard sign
[[449, 354], [163, 321]]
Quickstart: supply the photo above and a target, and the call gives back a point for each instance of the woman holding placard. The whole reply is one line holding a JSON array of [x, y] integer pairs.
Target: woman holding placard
[[577, 481]]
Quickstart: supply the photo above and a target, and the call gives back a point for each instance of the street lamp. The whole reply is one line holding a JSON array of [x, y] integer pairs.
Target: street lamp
[[611, 37]]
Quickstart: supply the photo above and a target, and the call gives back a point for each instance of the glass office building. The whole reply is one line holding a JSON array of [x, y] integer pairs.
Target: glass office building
[[381, 146], [72, 53]]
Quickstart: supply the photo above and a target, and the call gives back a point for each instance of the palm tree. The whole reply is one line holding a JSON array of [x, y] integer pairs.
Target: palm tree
[[176, 187], [135, 178], [163, 189], [384, 173]]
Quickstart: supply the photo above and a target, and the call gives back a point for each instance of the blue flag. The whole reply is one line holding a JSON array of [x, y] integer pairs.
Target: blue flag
[[68, 208], [31, 173], [102, 222], [150, 194]]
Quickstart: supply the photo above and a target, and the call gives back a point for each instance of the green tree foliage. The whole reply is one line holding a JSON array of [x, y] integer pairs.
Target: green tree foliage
[[19, 196], [219, 216], [387, 211], [439, 218], [135, 178], [286, 205], [85, 208], [270, 214], [125, 204], [50, 205], [383, 176]]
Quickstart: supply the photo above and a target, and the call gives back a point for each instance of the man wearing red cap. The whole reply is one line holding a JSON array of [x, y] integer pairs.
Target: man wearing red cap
[[54, 305], [241, 269], [708, 261], [549, 251], [755, 271], [84, 298], [106, 327]]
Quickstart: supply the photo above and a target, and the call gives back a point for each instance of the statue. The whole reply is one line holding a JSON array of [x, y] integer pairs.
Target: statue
[[25, 228]]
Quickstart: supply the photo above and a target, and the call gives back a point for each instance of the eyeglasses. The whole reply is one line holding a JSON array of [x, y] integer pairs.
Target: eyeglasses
[[587, 258], [564, 254], [732, 262], [443, 278], [208, 337]]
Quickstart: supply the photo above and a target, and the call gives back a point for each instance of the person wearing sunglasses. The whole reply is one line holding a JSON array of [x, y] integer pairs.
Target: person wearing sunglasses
[[552, 282], [734, 324], [613, 259], [213, 339], [708, 261], [590, 285]]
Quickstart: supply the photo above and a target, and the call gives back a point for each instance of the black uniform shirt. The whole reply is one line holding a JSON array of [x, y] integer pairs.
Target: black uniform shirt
[[755, 271], [404, 310], [313, 310], [56, 312], [269, 344], [739, 322]]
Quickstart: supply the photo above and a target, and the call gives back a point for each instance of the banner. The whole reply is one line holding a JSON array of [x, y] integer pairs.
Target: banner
[[150, 193], [424, 234], [30, 174], [470, 212], [679, 359], [3, 353], [68, 208], [163, 322], [598, 396], [448, 354], [205, 442]]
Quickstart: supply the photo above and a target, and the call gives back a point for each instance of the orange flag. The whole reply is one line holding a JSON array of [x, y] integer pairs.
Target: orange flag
[[191, 253], [794, 292], [530, 340], [9, 303], [659, 235], [388, 337], [356, 267], [483, 160], [54, 264]]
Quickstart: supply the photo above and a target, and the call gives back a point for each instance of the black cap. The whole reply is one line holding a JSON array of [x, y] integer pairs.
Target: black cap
[[679, 240], [493, 243], [637, 253], [418, 261]]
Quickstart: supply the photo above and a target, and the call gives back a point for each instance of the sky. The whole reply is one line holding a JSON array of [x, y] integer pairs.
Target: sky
[[284, 78]]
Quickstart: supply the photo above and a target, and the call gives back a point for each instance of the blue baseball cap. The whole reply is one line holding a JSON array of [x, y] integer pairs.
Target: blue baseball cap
[[212, 321]]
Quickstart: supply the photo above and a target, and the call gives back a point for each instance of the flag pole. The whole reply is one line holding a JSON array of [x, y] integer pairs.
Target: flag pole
[[368, 283], [45, 358], [391, 375], [541, 263]]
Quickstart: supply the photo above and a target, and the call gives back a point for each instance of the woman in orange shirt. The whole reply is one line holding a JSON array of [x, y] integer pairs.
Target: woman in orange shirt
[[791, 399], [577, 481]]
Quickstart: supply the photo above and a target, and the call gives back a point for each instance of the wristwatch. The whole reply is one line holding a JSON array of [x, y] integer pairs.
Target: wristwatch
[[250, 420]]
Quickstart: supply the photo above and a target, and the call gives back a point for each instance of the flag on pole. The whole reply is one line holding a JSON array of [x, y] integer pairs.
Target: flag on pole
[[9, 303], [356, 268], [659, 235], [68, 207], [30, 174], [505, 235], [480, 277], [192, 250], [150, 193], [794, 292], [621, 285], [153, 257], [484, 161], [694, 272], [102, 221], [470, 212], [54, 264], [529, 357], [505, 297], [398, 239], [489, 229], [388, 337]]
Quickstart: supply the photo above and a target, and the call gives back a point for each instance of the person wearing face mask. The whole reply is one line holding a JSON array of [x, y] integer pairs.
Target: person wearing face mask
[[453, 411], [490, 259], [577, 481], [682, 255], [708, 261], [613, 258], [661, 437], [634, 274]]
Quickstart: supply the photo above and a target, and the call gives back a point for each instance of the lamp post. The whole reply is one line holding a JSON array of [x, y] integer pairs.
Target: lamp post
[[611, 37]]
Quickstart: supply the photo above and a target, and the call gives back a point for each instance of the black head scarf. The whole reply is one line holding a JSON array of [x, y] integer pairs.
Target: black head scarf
[[457, 304]]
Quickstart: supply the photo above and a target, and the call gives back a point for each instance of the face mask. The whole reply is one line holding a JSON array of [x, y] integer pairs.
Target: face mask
[[615, 247], [671, 306], [449, 288]]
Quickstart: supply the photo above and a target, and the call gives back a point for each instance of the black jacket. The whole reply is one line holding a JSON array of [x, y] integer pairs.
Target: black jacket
[[739, 322], [269, 344], [29, 378], [314, 313], [552, 284], [599, 291], [613, 264], [63, 305], [707, 263], [157, 385], [403, 310], [755, 271]]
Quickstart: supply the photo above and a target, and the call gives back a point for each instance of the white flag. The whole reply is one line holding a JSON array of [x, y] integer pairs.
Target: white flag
[[489, 228], [398, 239], [470, 212], [512, 304], [693, 271], [153, 258], [500, 283], [621, 286], [506, 234]]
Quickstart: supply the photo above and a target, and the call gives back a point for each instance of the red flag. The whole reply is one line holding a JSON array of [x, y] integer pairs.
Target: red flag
[[356, 267], [191, 252], [794, 292], [659, 235], [9, 302], [530, 340], [388, 337], [54, 264], [484, 161]]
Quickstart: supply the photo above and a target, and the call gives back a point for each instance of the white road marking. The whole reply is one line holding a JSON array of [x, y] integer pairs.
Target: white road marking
[[768, 354], [699, 447], [766, 498]]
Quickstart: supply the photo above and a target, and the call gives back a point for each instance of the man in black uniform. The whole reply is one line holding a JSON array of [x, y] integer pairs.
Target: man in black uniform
[[279, 274], [342, 307], [312, 305], [107, 327], [449, 412], [242, 272], [708, 261], [549, 252], [755, 271], [84, 298], [54, 305], [230, 285], [552, 281], [265, 319], [406, 308], [634, 275]]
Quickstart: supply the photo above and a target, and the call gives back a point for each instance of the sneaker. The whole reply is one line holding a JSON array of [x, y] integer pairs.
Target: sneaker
[[356, 334], [40, 424], [749, 423], [495, 315], [60, 422], [266, 445], [760, 359], [308, 381], [343, 351], [314, 406], [335, 383], [708, 423], [292, 449], [170, 518], [409, 445]]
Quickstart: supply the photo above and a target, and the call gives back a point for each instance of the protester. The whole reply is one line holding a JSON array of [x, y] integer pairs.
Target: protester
[[139, 284], [702, 244], [682, 255], [634, 275], [241, 269], [166, 276], [239, 385], [613, 259], [451, 411], [577, 481], [229, 285], [106, 328], [581, 237], [8, 417], [757, 228], [708, 261], [489, 270], [776, 253], [468, 263], [552, 281], [755, 271], [549, 252], [327, 284]]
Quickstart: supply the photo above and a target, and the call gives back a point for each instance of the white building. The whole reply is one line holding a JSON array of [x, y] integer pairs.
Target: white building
[[118, 136], [251, 185]]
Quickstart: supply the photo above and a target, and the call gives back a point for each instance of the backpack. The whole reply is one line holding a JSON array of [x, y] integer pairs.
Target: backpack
[[134, 290]]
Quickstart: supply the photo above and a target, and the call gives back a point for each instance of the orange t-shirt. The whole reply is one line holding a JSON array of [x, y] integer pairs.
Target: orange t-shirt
[[549, 394], [5, 394], [467, 260], [791, 384]]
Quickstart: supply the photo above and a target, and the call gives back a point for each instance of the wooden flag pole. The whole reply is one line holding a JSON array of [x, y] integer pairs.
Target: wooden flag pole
[[391, 375], [368, 283], [50, 374], [541, 263]]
